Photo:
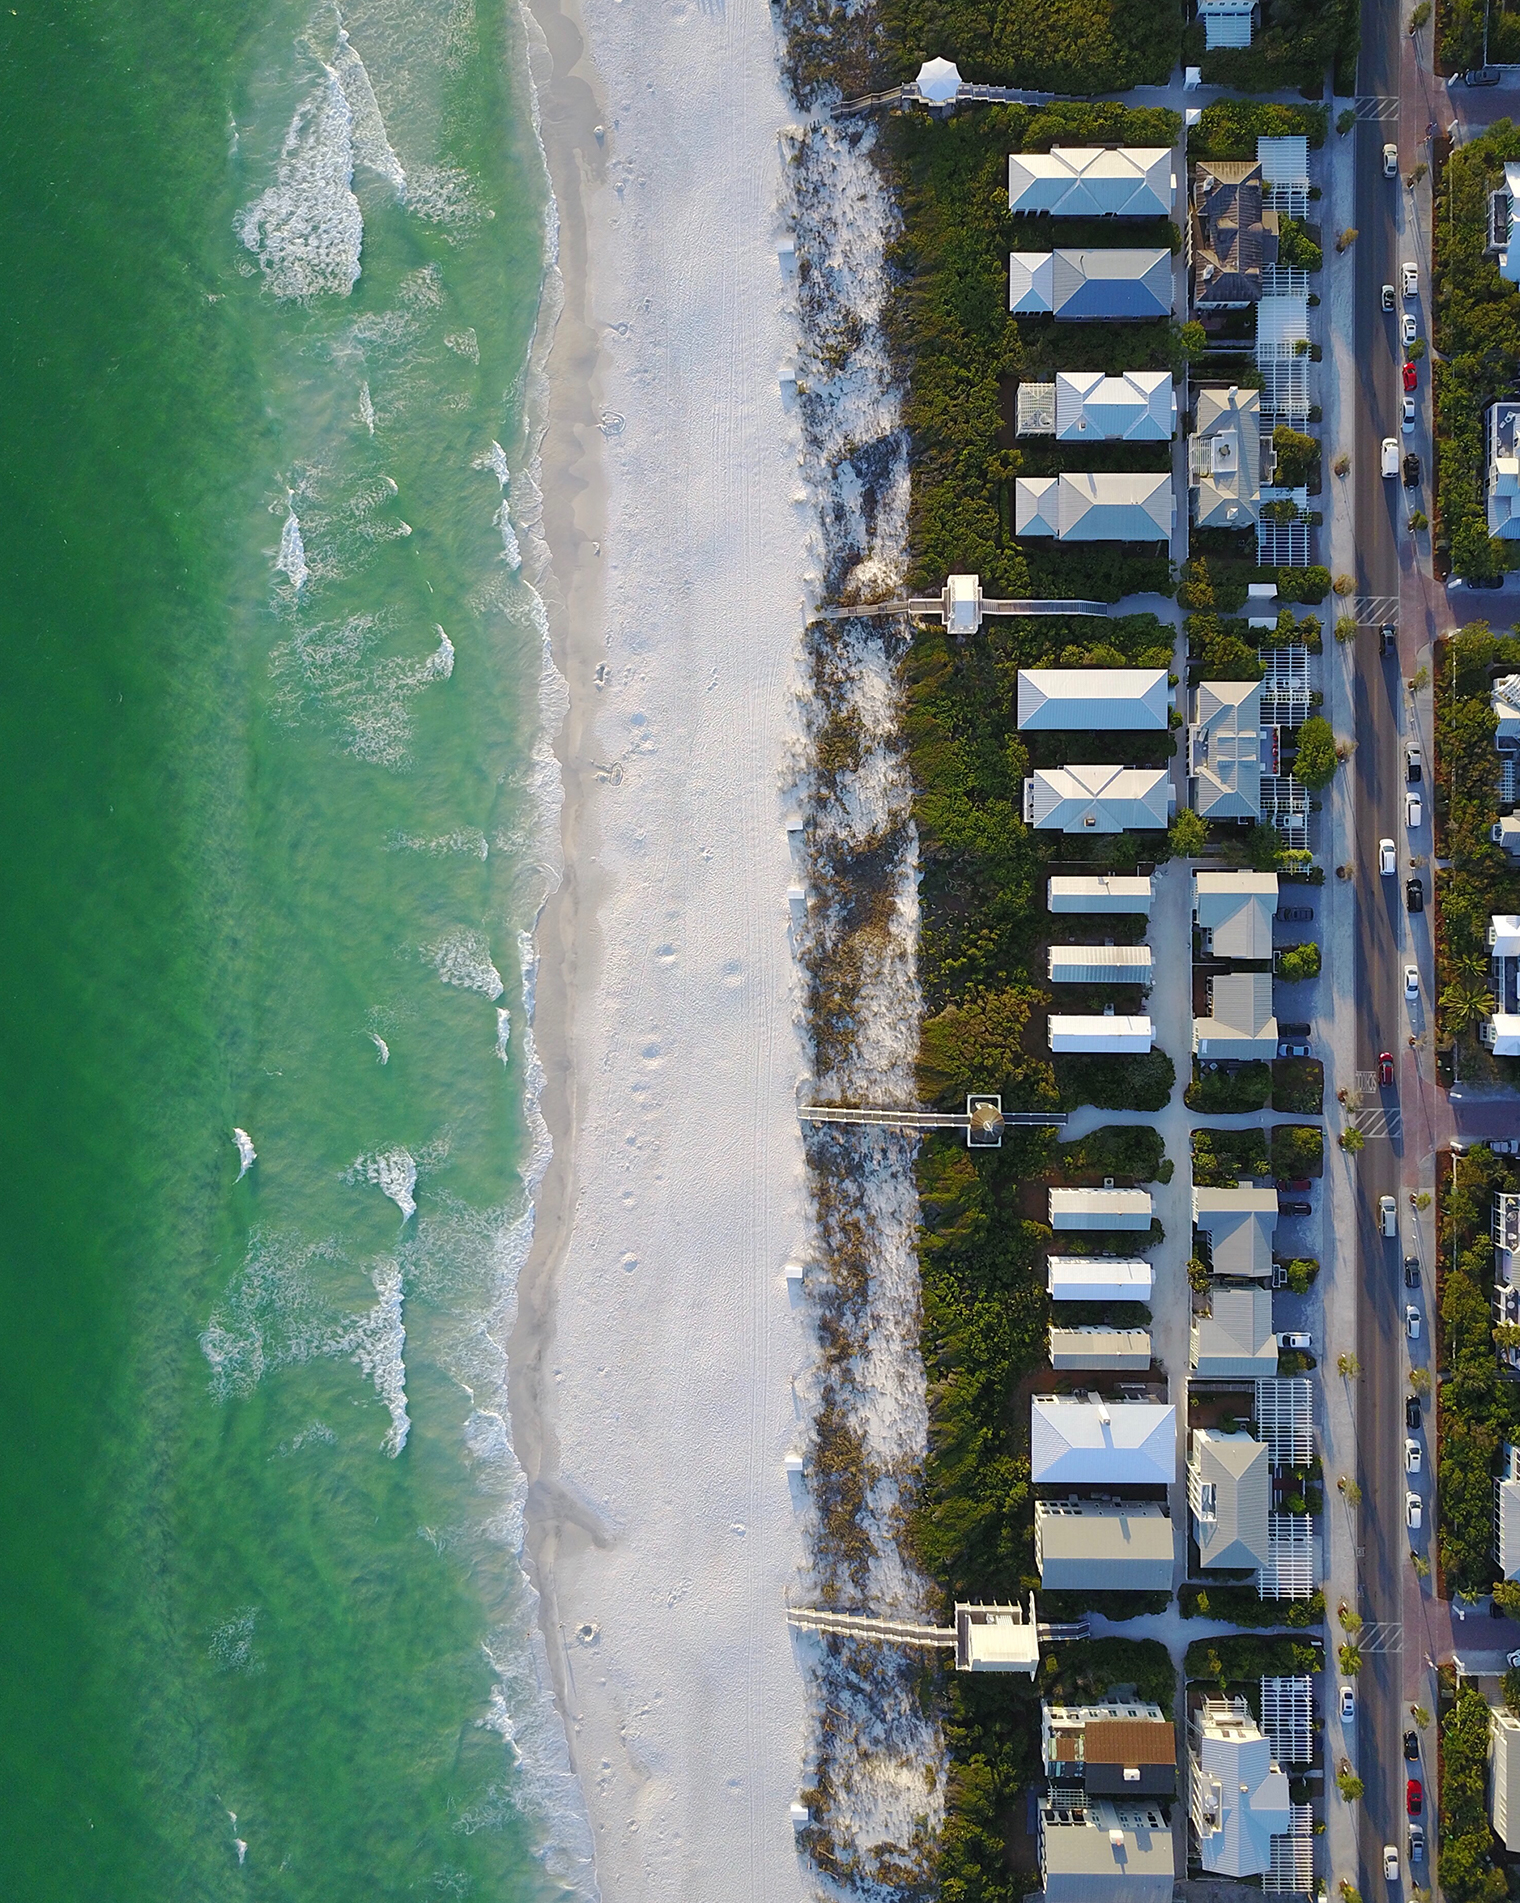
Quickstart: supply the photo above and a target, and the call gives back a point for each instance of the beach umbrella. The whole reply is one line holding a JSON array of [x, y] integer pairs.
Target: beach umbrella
[[938, 81]]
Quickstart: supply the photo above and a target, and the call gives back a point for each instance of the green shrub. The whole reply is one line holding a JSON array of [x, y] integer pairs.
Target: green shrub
[[1298, 1085], [1130, 1150], [1085, 1669], [1316, 761], [1221, 1093], [1297, 1149], [1297, 963], [1244, 1606], [1297, 456], [1297, 41], [976, 1044], [1063, 46], [1302, 1271], [1222, 1157], [1310, 584], [1229, 128], [1188, 834], [1116, 1083], [1297, 251], [1225, 1660], [1468, 1871]]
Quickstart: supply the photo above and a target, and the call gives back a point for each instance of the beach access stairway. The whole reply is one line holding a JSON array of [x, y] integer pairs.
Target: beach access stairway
[[904, 98], [984, 1119]]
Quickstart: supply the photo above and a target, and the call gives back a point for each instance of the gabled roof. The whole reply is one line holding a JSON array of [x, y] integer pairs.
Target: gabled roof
[[1507, 1518], [1237, 908], [1098, 799], [1092, 699], [1230, 1492], [1099, 892], [1092, 181], [1108, 1032], [1504, 1775], [1234, 235], [1101, 1546], [1241, 1023], [1095, 508], [1103, 1350], [1075, 285], [1115, 1443], [1137, 406], [1224, 458], [1239, 1224], [1240, 1795], [1224, 749], [1100, 964], [1237, 1338], [1504, 934], [1100, 1208], [1098, 1278]]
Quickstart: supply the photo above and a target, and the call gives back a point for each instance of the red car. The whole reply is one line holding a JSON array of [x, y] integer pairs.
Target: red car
[[1414, 1797], [1385, 1067], [1411, 376]]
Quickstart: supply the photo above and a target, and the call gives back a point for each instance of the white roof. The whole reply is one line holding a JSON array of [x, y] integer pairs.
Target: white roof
[[1105, 1033], [1506, 703], [1224, 458], [1505, 1033], [1504, 1774], [1098, 799], [1137, 406], [1119, 1853], [1095, 508], [938, 80], [1117, 1443], [1099, 892], [1504, 934], [1093, 1546], [1225, 23], [1239, 1224], [1284, 160], [1241, 1792], [1030, 282], [1100, 1208], [1237, 1338], [1100, 964], [1224, 750], [1081, 285], [1507, 1497], [1098, 1278], [1237, 907], [1092, 699], [1242, 1024], [1230, 1493], [1092, 181], [1111, 1350]]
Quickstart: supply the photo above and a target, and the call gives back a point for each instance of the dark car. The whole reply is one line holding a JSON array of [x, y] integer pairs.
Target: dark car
[[1414, 896], [1387, 639], [1411, 1745], [1411, 1271], [1481, 76], [1414, 1797], [1294, 1030], [1412, 1414], [1295, 914], [1492, 581], [1411, 471], [1296, 1209]]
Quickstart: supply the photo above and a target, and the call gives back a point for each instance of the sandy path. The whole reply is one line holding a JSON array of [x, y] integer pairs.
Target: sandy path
[[652, 1370]]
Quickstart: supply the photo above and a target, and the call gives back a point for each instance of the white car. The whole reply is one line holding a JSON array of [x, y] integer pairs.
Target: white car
[[1411, 281], [1391, 1863], [1406, 423], [1388, 1216], [1412, 1509], [1348, 1705], [1412, 812], [1293, 1341], [1411, 982], [1388, 858], [1390, 161], [1390, 459], [1408, 330], [1411, 1321], [1411, 1456]]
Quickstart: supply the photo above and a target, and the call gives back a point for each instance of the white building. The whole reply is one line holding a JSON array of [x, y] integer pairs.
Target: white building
[[1504, 468], [1100, 965], [1098, 892], [1226, 22], [1239, 1224], [1103, 1545], [1502, 212], [1241, 1023], [1110, 1032], [1236, 1337], [1104, 1850], [1234, 911], [1230, 1493], [1076, 286], [1225, 459], [1099, 799], [1113, 1749], [1504, 1775], [1507, 1520], [1224, 749], [1093, 699], [1093, 181], [1137, 406], [1239, 1799], [1099, 1208], [1098, 1278], [1100, 1350], [1095, 508], [1086, 1441]]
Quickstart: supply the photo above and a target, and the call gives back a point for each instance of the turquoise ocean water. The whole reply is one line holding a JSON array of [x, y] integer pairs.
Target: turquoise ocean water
[[273, 828]]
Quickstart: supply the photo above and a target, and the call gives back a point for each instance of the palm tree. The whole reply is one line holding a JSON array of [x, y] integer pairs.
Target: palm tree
[[1462, 1004]]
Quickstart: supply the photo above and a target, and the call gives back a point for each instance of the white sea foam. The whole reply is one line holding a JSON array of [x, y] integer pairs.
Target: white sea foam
[[464, 958], [444, 195], [291, 560], [366, 408], [332, 670], [382, 1049], [247, 1154], [317, 1434], [379, 1349], [306, 229], [371, 147], [503, 1033], [231, 1646], [495, 459], [469, 840], [393, 1171], [464, 343]]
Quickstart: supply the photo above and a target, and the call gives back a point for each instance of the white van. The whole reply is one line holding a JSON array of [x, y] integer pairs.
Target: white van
[[1390, 456], [1388, 1215]]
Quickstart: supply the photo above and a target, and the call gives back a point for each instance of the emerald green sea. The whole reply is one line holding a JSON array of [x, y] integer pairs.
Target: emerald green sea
[[273, 837]]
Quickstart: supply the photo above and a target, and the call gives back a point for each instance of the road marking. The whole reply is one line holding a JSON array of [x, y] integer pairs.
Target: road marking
[[1379, 110], [1366, 1080], [1377, 611], [1381, 1635], [1380, 1123]]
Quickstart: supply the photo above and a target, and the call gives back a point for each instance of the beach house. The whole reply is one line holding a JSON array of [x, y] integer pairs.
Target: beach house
[[1086, 406], [1098, 1278], [1241, 1023], [1230, 1494], [1092, 181], [1239, 1798], [1103, 1545], [1095, 508], [1099, 799], [1119, 1747], [1093, 699], [1224, 750], [1236, 1226], [1082, 286], [1233, 912], [1099, 1208], [1086, 1440]]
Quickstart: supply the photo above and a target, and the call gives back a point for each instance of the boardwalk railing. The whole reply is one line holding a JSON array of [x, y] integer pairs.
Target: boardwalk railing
[[934, 605], [904, 98], [984, 1119]]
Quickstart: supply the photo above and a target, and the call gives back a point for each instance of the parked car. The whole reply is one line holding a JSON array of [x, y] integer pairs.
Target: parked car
[[1385, 1068], [1388, 1216], [1390, 161], [1299, 1342], [1414, 765], [1411, 1745], [1293, 1050], [1295, 914], [1387, 297], [1414, 1791], [1413, 815], [1388, 639], [1411, 277], [1505, 1146], [1411, 466], [1408, 326], [1412, 1509], [1388, 858], [1300, 1185], [1411, 377], [1414, 896], [1416, 1843], [1411, 1456], [1390, 1863], [1294, 1030], [1412, 1413], [1295, 1209], [1407, 419], [1411, 981], [1348, 1705], [1412, 1280], [1411, 1321], [1481, 76], [1390, 456]]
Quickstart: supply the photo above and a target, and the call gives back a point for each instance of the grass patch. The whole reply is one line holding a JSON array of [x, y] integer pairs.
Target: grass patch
[[1223, 1093], [1222, 1157]]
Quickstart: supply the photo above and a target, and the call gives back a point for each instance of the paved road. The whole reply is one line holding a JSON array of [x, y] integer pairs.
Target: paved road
[[1384, 930]]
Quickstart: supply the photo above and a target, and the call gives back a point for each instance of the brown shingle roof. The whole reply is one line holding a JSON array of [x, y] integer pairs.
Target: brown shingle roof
[[1129, 1741]]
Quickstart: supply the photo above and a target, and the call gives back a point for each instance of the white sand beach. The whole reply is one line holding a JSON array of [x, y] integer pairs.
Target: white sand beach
[[654, 1361]]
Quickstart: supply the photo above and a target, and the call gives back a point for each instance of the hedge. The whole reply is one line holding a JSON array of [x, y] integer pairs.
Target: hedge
[[1297, 1149], [1468, 1870], [1235, 1659], [1064, 46], [1243, 1605], [1223, 1093], [1222, 1157], [1229, 128], [1085, 1669], [1116, 1083], [1116, 1149]]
